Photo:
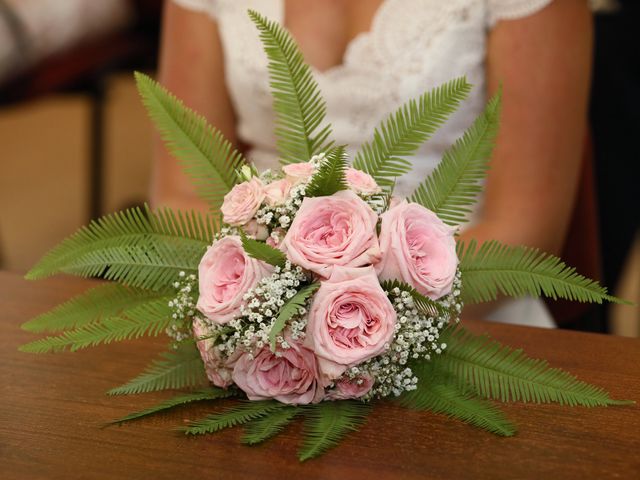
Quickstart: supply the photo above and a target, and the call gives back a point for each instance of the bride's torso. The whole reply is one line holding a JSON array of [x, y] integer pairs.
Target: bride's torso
[[409, 47]]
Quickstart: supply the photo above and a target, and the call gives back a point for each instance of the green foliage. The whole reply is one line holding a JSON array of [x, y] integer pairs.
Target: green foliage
[[516, 271], [499, 372], [139, 248], [326, 423], [150, 318], [107, 300], [297, 102], [455, 183], [404, 131], [210, 393], [179, 368], [422, 303], [330, 177], [262, 251], [236, 415], [209, 159], [290, 309], [263, 428], [440, 394]]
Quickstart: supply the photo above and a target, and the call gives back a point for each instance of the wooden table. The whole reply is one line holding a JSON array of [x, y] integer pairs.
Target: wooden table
[[54, 405]]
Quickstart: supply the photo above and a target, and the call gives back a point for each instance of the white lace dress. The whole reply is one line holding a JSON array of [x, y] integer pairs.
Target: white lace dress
[[412, 46]]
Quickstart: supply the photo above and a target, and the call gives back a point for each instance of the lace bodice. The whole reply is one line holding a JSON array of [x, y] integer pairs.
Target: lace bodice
[[412, 46]]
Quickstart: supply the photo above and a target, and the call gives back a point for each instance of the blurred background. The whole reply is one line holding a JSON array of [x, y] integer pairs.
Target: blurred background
[[75, 142]]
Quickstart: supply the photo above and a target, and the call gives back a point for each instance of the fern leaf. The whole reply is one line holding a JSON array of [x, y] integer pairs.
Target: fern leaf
[[207, 394], [404, 131], [268, 426], [100, 302], [453, 186], [290, 309], [297, 102], [422, 303], [516, 271], [326, 423], [263, 252], [237, 415], [151, 319], [330, 177], [209, 159], [441, 395], [180, 368], [136, 247], [499, 372]]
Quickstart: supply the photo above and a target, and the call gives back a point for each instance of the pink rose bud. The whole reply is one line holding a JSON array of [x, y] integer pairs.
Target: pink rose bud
[[298, 172], [338, 230], [361, 182], [277, 192], [275, 239], [417, 248], [290, 378], [225, 274], [218, 372], [256, 230], [242, 202], [348, 388], [350, 320]]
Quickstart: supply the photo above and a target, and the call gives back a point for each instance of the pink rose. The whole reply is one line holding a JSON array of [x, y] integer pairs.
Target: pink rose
[[242, 202], [361, 182], [298, 172], [256, 230], [225, 274], [289, 378], [347, 388], [218, 372], [336, 230], [277, 192], [350, 320], [417, 248]]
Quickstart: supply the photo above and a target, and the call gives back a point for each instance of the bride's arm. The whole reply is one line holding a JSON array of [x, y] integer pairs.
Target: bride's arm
[[543, 63], [191, 67]]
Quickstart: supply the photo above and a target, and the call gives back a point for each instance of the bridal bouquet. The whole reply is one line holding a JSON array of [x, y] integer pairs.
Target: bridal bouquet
[[316, 293]]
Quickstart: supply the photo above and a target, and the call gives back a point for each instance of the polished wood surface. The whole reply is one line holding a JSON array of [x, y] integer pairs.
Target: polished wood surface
[[53, 408]]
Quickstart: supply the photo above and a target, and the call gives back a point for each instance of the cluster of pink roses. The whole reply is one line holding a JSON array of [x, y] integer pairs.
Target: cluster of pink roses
[[350, 318]]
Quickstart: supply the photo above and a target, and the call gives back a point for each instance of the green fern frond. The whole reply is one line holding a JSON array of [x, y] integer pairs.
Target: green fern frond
[[290, 309], [237, 415], [297, 102], [263, 252], [210, 393], [104, 301], [422, 303], [453, 186], [139, 248], [179, 368], [326, 423], [268, 426], [500, 372], [440, 394], [209, 159], [151, 319], [516, 271], [404, 131], [330, 177]]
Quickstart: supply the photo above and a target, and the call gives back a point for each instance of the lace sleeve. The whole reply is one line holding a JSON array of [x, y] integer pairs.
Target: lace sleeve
[[205, 6], [512, 9]]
